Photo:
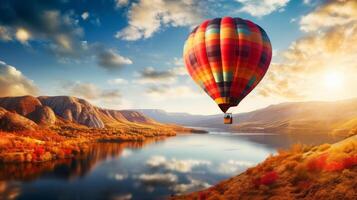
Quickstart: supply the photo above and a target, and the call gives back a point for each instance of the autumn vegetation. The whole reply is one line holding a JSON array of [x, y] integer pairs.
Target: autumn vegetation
[[66, 142], [37, 129], [70, 168], [303, 172]]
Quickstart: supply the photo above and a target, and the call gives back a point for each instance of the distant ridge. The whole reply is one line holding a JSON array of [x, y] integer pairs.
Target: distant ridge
[[290, 117], [174, 117]]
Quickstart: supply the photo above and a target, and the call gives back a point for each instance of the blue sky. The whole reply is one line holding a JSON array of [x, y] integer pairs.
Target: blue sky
[[127, 54]]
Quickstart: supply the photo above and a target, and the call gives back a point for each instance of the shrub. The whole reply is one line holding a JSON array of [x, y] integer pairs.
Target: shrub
[[39, 151], [350, 161], [267, 179], [318, 163]]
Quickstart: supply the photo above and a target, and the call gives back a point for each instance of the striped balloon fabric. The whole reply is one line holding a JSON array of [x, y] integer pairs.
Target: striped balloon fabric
[[227, 57]]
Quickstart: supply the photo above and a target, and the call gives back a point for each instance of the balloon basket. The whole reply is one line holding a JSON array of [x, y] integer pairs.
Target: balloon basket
[[228, 118]]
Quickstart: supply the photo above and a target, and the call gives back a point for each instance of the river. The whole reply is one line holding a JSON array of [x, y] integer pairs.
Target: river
[[154, 169]]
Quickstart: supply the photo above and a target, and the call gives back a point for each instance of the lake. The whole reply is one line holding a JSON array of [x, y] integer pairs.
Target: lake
[[153, 169]]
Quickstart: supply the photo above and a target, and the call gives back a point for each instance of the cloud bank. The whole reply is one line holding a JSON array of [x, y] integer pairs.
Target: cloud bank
[[111, 60], [90, 91], [28, 20], [259, 8], [14, 83], [328, 48], [146, 17]]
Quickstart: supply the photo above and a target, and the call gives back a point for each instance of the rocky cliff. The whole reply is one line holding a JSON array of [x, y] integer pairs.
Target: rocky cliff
[[47, 111]]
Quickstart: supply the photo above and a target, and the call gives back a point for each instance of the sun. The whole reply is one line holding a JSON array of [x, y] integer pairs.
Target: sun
[[333, 80]]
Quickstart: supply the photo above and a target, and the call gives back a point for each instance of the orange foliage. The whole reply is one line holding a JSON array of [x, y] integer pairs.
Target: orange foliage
[[202, 196], [317, 164], [67, 141], [320, 163], [267, 178]]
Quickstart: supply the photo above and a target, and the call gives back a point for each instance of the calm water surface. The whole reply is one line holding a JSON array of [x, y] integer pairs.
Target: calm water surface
[[151, 170]]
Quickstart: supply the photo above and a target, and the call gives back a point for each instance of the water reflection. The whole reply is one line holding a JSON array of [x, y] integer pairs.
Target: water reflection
[[71, 168], [153, 169], [9, 190]]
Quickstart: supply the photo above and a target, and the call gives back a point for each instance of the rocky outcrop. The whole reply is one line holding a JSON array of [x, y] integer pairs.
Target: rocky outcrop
[[43, 115], [74, 110], [134, 116], [46, 111], [11, 121], [126, 115], [21, 105]]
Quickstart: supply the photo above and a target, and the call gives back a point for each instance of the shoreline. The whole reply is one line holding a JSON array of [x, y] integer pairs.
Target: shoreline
[[68, 142], [302, 172]]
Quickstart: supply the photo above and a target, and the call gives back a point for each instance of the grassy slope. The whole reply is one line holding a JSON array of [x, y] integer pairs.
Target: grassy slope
[[320, 172]]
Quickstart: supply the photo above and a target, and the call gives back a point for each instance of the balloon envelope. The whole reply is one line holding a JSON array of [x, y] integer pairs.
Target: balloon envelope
[[227, 57]]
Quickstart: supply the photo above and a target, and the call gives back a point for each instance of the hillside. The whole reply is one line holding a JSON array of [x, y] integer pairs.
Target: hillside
[[320, 172], [175, 118], [295, 117], [10, 121], [48, 111], [34, 129]]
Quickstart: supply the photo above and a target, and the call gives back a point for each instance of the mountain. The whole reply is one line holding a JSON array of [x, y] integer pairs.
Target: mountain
[[38, 129], [292, 117], [174, 118], [298, 117], [48, 111], [320, 172], [10, 121]]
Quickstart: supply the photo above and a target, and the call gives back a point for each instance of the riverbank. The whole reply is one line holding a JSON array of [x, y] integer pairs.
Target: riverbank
[[66, 141], [326, 171]]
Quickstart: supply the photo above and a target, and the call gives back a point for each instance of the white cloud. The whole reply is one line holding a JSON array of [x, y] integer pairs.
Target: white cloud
[[118, 81], [102, 97], [90, 91], [14, 83], [118, 177], [330, 14], [164, 92], [233, 166], [329, 50], [177, 61], [121, 3], [154, 76], [181, 71], [58, 31], [158, 178], [175, 164], [259, 8], [193, 185], [147, 17], [293, 20], [85, 15], [110, 60]]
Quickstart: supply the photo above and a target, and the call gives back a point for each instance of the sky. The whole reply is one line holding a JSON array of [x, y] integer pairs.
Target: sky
[[123, 54]]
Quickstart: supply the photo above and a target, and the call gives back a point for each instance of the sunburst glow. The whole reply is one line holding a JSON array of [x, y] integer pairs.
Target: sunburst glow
[[333, 80]]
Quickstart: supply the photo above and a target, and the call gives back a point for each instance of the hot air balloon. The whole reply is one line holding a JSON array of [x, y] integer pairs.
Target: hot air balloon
[[227, 57]]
